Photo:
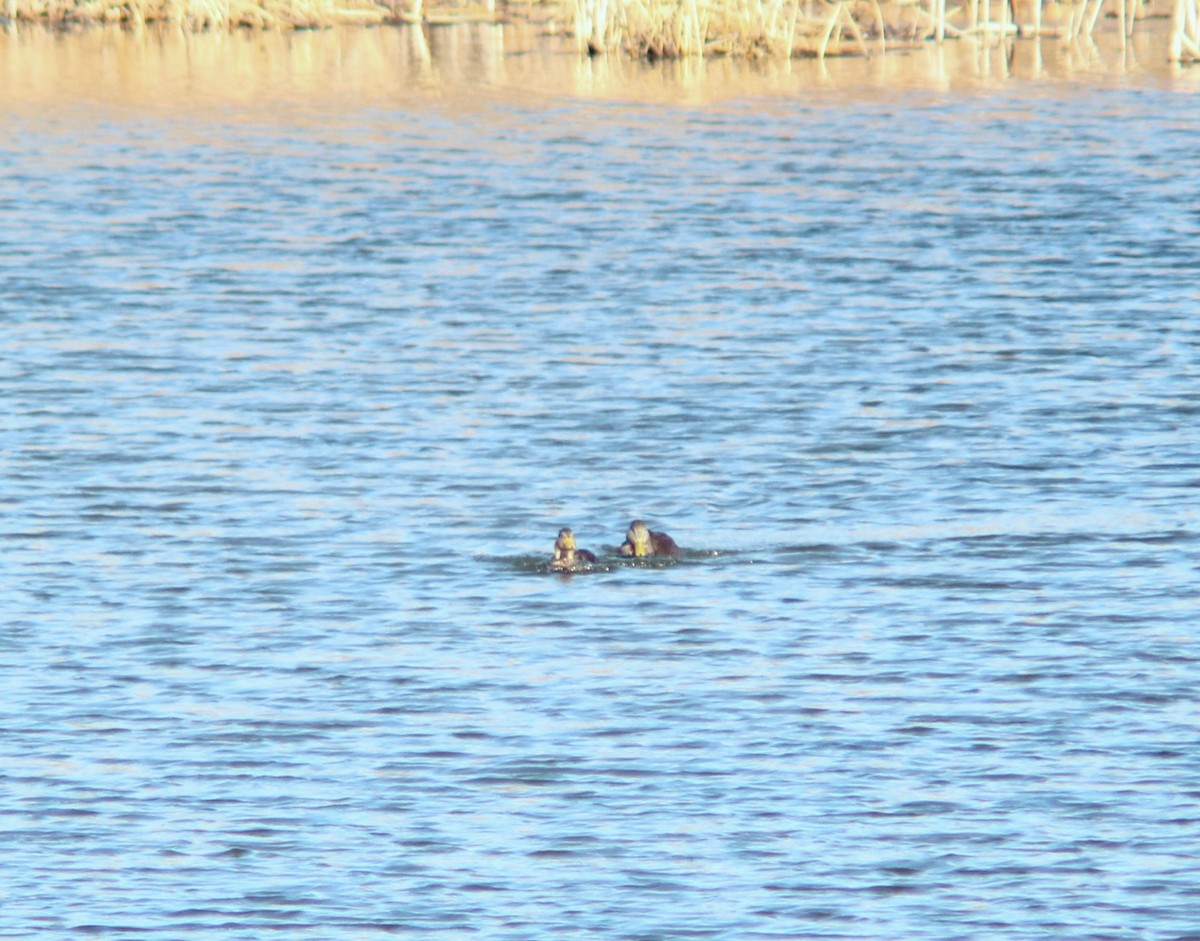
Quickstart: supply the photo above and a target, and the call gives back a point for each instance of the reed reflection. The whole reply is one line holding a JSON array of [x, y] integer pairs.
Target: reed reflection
[[468, 64]]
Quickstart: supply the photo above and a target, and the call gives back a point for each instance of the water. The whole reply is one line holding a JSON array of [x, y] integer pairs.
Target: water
[[301, 382]]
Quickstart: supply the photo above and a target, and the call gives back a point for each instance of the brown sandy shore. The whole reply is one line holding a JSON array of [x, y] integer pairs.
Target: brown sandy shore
[[655, 29]]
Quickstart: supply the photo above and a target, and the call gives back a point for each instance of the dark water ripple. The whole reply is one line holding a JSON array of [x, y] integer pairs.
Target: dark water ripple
[[294, 410]]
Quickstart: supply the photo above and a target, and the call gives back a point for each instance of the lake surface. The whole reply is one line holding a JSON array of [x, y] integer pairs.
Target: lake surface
[[311, 345]]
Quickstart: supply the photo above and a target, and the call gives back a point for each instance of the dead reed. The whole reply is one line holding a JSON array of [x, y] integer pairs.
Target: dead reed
[[262, 14], [665, 29], [1185, 32], [201, 14], [677, 28]]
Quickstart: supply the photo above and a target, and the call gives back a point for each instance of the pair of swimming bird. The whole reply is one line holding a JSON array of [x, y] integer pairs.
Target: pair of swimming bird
[[640, 542]]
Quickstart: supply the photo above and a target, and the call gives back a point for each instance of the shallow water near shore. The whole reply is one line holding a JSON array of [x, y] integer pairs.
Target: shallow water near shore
[[313, 343]]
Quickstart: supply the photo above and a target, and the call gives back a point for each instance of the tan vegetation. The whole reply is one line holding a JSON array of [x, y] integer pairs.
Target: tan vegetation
[[675, 28], [277, 14], [667, 29], [1185, 32], [200, 14]]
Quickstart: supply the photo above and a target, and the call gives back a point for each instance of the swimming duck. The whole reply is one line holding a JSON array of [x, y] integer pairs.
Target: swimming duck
[[567, 556], [640, 542]]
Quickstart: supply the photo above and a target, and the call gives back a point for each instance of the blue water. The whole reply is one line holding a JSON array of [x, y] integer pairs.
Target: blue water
[[298, 395]]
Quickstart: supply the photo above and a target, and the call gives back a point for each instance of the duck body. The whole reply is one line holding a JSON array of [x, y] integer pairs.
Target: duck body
[[567, 556], [641, 541]]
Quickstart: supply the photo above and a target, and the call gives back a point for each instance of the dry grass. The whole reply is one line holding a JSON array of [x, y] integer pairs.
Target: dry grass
[[262, 14], [678, 28], [674, 28], [664, 29], [202, 14]]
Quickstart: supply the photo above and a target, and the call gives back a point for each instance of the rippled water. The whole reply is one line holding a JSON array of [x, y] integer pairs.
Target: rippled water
[[298, 392]]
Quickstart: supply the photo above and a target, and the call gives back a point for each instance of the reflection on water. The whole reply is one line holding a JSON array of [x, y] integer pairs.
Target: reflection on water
[[375, 67], [312, 343]]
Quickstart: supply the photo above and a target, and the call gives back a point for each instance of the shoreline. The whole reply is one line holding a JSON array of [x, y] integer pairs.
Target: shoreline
[[676, 29]]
